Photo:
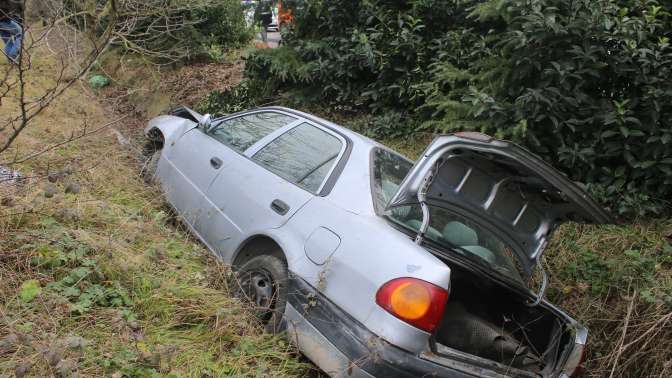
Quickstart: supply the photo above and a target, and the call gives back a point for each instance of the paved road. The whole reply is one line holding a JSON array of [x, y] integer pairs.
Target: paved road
[[273, 39]]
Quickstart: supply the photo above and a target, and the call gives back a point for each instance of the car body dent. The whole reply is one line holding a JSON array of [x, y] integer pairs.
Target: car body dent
[[318, 348], [338, 335]]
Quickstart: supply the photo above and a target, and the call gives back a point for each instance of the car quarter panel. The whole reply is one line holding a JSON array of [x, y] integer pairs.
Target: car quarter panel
[[370, 253]]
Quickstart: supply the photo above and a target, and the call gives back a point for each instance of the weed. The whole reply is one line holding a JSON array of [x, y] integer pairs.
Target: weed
[[119, 275]]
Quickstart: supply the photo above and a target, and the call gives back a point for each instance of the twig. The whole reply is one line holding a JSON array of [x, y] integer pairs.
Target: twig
[[620, 349], [69, 140]]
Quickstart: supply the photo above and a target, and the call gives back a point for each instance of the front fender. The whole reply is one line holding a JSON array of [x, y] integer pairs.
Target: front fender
[[170, 127]]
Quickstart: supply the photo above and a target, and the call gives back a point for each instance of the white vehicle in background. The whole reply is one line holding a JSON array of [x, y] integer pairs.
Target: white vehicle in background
[[249, 7], [373, 264]]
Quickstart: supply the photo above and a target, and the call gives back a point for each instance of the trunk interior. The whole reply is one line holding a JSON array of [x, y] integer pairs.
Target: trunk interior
[[492, 323]]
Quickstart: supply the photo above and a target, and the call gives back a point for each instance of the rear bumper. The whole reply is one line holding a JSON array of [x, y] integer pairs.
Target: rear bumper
[[343, 347]]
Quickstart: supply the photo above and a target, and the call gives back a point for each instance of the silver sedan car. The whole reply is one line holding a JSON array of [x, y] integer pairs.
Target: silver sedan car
[[375, 265]]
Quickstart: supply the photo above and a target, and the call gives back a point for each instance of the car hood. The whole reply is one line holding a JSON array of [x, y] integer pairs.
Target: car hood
[[501, 186]]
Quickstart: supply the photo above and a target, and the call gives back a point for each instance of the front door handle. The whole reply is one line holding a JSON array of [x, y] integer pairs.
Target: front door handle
[[216, 162], [279, 207]]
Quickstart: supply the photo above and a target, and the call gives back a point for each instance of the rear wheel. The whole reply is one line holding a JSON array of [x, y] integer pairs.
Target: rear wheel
[[262, 281]]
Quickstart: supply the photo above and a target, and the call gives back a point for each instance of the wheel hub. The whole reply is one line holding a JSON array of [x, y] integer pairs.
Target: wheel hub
[[259, 287]]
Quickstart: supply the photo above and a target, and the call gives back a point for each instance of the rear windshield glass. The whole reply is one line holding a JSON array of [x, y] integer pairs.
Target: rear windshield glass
[[445, 228]]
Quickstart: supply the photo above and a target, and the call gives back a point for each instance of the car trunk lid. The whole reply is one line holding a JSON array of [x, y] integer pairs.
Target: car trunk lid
[[500, 185]]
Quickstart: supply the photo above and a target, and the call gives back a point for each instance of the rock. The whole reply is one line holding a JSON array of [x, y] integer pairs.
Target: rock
[[7, 201], [22, 369], [67, 170], [133, 325], [73, 187], [54, 356], [68, 215], [50, 190], [53, 176], [158, 255], [25, 339], [166, 354], [9, 343], [66, 368], [59, 175], [75, 342]]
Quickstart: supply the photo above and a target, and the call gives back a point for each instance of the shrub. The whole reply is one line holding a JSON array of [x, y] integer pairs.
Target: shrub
[[588, 88], [247, 94], [585, 84], [222, 24], [168, 30]]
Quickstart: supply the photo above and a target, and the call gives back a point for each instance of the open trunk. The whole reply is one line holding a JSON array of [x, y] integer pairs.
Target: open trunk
[[494, 204], [489, 325]]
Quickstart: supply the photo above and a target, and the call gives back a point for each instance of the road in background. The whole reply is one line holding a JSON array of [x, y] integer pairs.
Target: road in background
[[273, 39]]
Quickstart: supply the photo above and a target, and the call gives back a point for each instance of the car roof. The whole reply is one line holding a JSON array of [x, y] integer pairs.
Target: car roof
[[352, 135]]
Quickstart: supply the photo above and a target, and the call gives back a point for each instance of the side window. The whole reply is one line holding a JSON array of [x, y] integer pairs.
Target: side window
[[304, 155], [242, 132]]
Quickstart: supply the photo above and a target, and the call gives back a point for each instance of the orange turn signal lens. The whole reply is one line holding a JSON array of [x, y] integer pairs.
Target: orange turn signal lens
[[410, 300], [414, 301]]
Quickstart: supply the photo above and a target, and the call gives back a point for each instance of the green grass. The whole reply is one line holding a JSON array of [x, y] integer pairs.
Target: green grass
[[155, 306], [114, 269]]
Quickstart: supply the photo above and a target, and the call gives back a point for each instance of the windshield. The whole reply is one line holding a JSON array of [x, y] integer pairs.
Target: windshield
[[445, 228]]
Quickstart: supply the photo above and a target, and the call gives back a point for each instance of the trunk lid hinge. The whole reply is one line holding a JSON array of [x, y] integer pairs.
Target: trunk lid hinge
[[422, 198]]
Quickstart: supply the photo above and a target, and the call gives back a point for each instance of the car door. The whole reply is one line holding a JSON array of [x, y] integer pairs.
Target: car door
[[266, 185], [192, 165], [222, 146]]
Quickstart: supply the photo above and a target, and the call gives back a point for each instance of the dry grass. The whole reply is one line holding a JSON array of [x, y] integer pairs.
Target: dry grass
[[615, 279], [145, 299], [618, 281]]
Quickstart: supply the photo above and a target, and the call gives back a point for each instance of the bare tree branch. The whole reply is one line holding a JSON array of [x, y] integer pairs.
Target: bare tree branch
[[78, 34]]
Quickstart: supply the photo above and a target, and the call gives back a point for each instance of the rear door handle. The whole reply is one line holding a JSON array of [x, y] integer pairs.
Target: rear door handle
[[216, 162], [279, 207]]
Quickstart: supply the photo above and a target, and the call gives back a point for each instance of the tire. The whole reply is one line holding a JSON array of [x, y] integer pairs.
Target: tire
[[149, 168], [262, 281]]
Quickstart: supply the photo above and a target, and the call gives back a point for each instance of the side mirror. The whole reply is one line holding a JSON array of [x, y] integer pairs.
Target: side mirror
[[205, 122]]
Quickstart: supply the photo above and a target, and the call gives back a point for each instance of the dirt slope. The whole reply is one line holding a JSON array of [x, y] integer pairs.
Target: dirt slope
[[96, 279]]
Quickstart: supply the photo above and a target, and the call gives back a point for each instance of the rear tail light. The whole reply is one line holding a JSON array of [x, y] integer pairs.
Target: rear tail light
[[414, 301]]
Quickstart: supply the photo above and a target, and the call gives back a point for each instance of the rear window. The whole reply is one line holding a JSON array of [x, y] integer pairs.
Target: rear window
[[303, 155], [446, 228]]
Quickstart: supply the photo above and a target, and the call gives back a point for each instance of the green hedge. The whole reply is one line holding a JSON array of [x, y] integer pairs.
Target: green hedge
[[584, 83]]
